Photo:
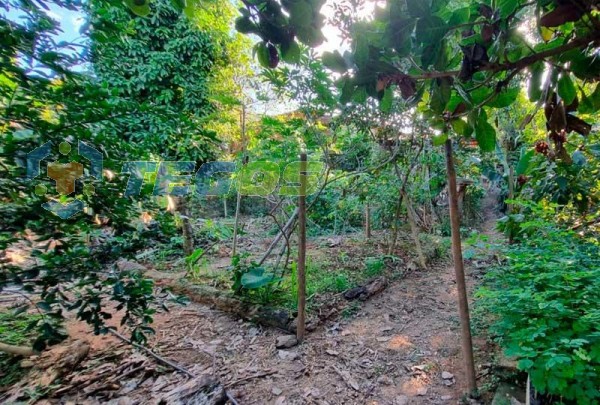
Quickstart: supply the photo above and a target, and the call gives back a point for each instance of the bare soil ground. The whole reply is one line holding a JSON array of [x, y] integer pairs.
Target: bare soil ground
[[400, 347]]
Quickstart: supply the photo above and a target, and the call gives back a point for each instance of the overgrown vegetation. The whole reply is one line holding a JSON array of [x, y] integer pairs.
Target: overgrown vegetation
[[545, 302], [158, 88]]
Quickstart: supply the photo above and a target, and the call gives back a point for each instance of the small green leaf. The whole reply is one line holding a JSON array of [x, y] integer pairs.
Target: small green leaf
[[525, 364], [385, 105], [566, 89]]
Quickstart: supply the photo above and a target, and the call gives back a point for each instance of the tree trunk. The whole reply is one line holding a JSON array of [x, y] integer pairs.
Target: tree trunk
[[415, 232], [463, 303], [289, 223], [367, 221], [395, 227], [302, 251], [186, 226]]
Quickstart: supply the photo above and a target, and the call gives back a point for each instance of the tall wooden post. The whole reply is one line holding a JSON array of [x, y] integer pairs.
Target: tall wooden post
[[238, 202], [236, 224], [302, 251], [463, 303]]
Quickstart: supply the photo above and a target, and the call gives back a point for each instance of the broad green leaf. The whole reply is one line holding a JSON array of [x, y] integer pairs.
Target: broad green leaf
[[193, 258], [507, 7], [524, 162], [430, 30], [461, 127], [385, 105], [361, 53], [347, 91], [244, 25], [301, 13], [139, 7], [334, 61], [505, 98], [566, 89], [262, 53], [418, 8], [485, 134], [256, 278], [291, 52], [440, 95], [459, 16], [439, 140], [360, 95], [535, 82], [525, 364], [546, 33]]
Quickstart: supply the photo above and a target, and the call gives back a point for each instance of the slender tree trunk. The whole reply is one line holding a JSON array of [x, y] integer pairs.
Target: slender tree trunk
[[225, 213], [367, 220], [186, 226], [288, 225], [395, 227], [236, 223], [463, 303], [302, 251], [415, 232]]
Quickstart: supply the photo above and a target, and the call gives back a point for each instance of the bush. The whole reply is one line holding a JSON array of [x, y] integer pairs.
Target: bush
[[545, 299]]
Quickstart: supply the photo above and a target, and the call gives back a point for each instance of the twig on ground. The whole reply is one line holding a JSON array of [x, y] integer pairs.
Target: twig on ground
[[259, 375]]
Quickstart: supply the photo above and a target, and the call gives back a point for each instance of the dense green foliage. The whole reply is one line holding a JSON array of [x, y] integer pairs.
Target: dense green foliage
[[545, 298], [147, 96]]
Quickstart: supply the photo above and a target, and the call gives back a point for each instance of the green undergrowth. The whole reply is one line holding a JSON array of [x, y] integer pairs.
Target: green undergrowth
[[14, 331], [544, 304]]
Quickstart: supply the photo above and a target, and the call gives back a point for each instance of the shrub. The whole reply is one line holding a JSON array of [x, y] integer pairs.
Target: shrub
[[545, 299]]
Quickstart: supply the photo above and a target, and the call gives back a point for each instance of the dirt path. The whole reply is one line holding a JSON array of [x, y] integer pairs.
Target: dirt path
[[395, 350], [400, 347]]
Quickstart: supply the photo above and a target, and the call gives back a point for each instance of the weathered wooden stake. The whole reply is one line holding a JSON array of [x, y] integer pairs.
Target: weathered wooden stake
[[236, 223], [463, 303], [239, 195], [302, 251]]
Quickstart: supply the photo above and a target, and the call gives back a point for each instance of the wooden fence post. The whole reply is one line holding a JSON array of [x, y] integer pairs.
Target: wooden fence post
[[238, 205], [463, 303], [301, 270]]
